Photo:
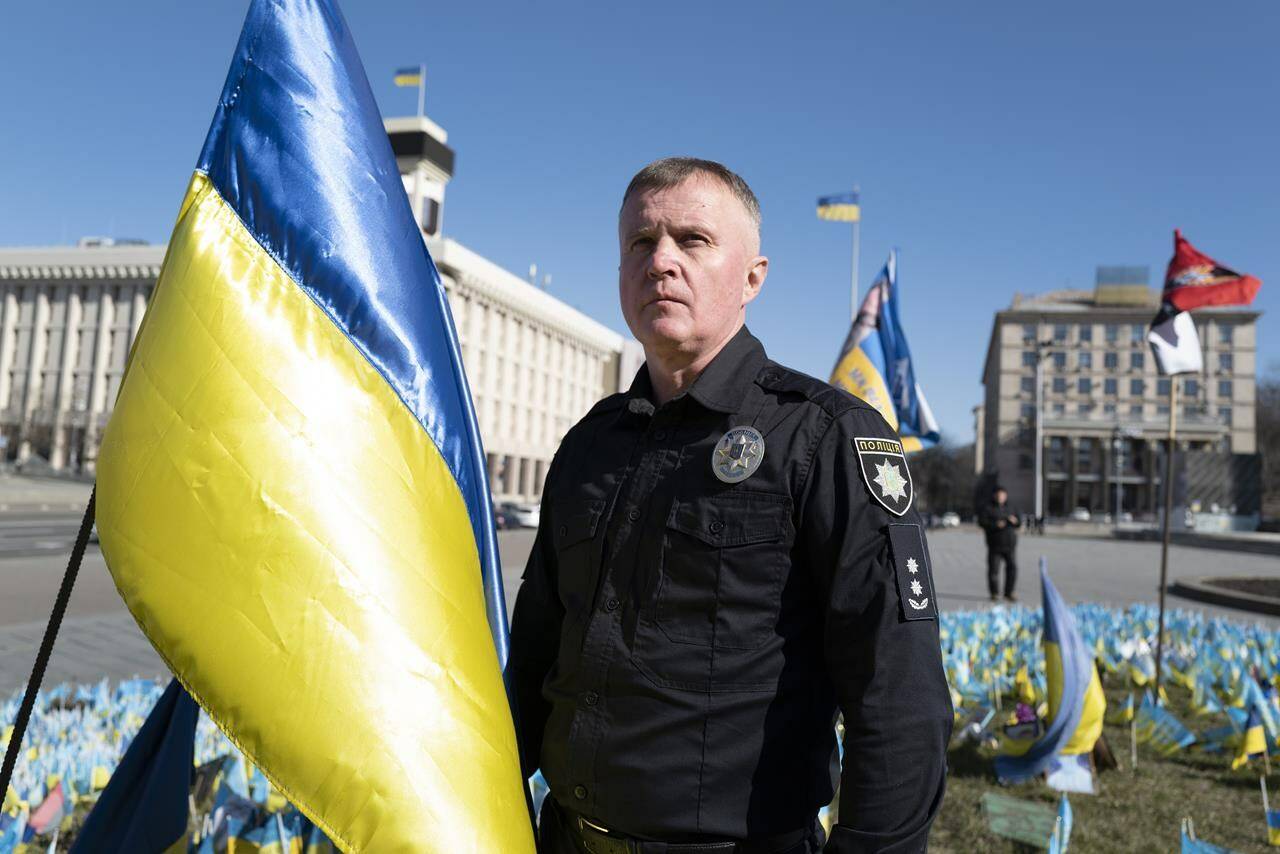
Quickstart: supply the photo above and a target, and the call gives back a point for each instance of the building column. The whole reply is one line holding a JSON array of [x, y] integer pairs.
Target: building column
[[35, 361], [98, 403], [7, 333], [66, 378], [1073, 467], [1108, 467], [509, 471]]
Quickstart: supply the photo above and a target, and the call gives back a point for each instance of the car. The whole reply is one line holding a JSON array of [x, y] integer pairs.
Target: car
[[1080, 514], [521, 515], [951, 520]]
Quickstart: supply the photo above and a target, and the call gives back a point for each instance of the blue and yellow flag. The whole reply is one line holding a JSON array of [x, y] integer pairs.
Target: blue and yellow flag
[[875, 364], [409, 76], [843, 207], [292, 497], [1273, 827], [1253, 741], [1076, 702], [144, 806]]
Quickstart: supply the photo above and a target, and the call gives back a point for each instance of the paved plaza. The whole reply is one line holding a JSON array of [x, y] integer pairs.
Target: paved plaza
[[38, 522]]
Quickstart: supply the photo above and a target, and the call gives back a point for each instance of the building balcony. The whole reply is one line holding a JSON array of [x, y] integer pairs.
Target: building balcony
[[1103, 425]]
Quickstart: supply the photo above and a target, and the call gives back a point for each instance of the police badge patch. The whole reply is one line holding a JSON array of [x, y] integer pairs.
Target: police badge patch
[[911, 566], [884, 468], [738, 454]]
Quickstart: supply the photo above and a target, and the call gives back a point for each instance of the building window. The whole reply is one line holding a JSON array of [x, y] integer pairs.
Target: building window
[[1190, 411], [1028, 384], [1137, 333], [1162, 387], [1084, 360], [1225, 331], [1225, 362], [1113, 333], [1224, 415], [1028, 332], [1163, 409], [1224, 389], [1060, 332], [1109, 409], [1059, 409], [1060, 361], [1028, 359], [1191, 387], [1138, 360], [1057, 456], [1137, 388], [1059, 385], [1085, 410], [1084, 455], [1086, 332], [1111, 360], [1136, 410], [1028, 411], [1111, 386], [1084, 385]]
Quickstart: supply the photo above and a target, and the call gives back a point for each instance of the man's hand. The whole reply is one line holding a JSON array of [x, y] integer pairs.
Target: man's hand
[[1001, 523], [1013, 520]]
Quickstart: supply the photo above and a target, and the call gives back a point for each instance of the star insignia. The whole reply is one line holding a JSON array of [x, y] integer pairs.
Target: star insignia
[[913, 567], [737, 455], [892, 484], [916, 589]]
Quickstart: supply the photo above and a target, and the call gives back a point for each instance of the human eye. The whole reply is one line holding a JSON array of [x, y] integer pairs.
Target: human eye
[[640, 242]]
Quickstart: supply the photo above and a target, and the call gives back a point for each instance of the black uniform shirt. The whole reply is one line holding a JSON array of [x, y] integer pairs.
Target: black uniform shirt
[[681, 646]]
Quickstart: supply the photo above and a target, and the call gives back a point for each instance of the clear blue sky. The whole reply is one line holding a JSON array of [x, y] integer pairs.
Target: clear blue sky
[[1002, 146]]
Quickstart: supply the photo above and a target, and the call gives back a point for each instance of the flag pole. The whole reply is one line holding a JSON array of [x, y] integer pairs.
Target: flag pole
[[422, 88], [853, 278], [1168, 514]]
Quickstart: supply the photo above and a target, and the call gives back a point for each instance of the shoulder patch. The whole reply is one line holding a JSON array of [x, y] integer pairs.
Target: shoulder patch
[[884, 469], [915, 577]]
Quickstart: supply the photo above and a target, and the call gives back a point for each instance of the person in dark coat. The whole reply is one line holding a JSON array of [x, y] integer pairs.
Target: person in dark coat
[[1001, 522]]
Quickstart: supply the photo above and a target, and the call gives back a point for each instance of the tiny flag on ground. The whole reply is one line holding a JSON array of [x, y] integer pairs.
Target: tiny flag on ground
[[1253, 741], [1273, 827], [51, 811], [843, 207]]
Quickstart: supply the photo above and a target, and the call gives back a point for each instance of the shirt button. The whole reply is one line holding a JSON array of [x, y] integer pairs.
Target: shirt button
[[580, 792], [612, 604], [633, 514], [717, 526], [564, 530], [591, 698], [660, 436]]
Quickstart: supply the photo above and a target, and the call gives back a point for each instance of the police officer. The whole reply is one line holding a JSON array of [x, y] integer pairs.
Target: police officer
[[728, 557], [1001, 523]]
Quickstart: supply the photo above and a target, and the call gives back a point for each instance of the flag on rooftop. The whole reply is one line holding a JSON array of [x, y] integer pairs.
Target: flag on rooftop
[[1193, 279], [1076, 702], [409, 76], [842, 207], [875, 364], [292, 496]]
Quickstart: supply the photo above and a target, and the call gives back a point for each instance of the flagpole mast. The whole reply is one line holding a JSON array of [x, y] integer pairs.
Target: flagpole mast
[[853, 291], [422, 89], [1168, 514]]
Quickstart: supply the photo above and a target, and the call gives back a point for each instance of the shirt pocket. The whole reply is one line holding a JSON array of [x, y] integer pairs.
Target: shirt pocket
[[723, 561], [573, 531]]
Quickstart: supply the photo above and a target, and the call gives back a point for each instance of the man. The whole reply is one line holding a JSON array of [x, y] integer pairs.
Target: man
[[1001, 524], [728, 556]]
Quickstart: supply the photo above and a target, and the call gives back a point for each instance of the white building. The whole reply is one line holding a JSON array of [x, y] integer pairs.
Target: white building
[[69, 314]]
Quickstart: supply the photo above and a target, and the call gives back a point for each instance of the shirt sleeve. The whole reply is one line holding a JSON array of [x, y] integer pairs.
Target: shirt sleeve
[[535, 639], [886, 670]]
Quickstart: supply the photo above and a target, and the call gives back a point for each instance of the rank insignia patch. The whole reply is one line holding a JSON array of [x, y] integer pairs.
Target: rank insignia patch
[[911, 566], [884, 468]]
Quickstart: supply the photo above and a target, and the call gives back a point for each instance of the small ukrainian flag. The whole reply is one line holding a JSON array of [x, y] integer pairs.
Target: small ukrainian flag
[[1253, 743], [840, 208], [409, 76], [1273, 827]]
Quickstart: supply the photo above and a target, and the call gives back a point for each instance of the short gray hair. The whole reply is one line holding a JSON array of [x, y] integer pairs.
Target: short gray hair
[[672, 171]]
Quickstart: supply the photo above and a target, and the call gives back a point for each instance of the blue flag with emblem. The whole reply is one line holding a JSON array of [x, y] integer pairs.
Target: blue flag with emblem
[[875, 364]]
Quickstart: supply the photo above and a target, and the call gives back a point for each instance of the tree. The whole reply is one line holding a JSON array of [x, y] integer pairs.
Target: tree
[[943, 478], [1268, 427]]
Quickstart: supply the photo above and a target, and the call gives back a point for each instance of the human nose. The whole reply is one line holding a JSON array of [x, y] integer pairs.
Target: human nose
[[662, 261]]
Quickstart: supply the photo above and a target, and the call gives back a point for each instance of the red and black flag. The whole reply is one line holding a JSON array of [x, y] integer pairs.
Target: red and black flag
[[1194, 279]]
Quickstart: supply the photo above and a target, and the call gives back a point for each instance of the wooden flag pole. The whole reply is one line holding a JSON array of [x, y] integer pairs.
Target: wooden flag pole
[[1168, 513], [1266, 806]]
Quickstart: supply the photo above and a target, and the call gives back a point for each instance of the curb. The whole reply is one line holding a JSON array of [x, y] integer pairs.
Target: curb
[[1201, 590]]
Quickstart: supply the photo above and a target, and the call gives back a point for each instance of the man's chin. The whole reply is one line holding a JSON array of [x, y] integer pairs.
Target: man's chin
[[665, 334]]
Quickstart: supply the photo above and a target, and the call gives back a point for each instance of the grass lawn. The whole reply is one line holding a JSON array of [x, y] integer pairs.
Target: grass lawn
[[1135, 812]]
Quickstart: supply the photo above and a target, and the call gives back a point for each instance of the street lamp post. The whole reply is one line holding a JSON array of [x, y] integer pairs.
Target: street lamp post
[[1041, 346]]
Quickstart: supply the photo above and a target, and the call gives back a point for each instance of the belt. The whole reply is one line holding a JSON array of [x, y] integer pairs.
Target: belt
[[596, 839]]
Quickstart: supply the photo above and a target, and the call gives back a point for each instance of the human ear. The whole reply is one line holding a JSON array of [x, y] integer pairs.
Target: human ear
[[757, 270]]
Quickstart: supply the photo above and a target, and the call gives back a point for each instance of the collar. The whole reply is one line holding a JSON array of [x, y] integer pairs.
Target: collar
[[720, 387]]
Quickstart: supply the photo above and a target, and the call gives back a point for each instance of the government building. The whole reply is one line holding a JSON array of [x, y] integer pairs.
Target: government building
[[68, 315], [1104, 408]]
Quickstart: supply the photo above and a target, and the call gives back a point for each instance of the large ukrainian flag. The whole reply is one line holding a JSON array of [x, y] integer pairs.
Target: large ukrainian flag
[[1077, 704], [291, 493], [875, 364]]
